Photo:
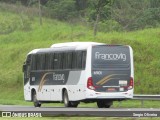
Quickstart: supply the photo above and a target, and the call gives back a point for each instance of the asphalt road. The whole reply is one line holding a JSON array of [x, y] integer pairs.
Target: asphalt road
[[61, 111]]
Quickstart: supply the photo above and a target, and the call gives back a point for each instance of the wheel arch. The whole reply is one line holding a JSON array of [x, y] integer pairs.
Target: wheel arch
[[32, 92], [63, 90]]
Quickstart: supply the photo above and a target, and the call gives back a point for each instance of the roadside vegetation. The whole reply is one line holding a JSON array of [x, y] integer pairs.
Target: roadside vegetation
[[20, 33]]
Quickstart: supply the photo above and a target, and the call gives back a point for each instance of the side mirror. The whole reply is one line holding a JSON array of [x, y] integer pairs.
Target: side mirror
[[24, 67]]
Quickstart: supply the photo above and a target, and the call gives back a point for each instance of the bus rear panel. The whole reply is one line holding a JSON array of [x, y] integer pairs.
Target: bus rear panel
[[111, 72]]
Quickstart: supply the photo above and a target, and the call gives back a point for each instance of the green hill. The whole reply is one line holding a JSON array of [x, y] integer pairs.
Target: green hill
[[19, 34]]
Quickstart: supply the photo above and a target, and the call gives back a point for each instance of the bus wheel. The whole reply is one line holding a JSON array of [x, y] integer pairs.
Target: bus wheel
[[35, 101], [104, 104], [74, 103], [100, 104], [108, 104], [68, 103]]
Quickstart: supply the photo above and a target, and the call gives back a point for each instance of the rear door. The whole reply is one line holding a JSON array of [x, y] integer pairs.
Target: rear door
[[111, 68]]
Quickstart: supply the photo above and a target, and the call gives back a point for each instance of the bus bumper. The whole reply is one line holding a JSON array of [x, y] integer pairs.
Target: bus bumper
[[91, 94]]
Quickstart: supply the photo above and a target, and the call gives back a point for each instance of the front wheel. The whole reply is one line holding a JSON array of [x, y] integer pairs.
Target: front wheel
[[35, 101], [68, 103]]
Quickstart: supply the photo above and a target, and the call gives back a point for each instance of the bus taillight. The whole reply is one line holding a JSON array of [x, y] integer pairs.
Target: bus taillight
[[90, 84], [131, 83]]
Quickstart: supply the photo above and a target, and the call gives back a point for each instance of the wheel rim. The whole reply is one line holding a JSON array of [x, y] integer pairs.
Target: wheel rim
[[65, 100], [34, 98]]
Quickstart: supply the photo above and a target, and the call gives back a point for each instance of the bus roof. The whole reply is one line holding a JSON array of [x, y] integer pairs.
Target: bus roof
[[65, 47], [75, 44]]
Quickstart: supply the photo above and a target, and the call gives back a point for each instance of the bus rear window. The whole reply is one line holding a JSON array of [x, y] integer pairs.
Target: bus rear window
[[110, 57]]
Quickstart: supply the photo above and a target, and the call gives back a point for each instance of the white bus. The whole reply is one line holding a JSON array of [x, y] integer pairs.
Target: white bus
[[77, 72]]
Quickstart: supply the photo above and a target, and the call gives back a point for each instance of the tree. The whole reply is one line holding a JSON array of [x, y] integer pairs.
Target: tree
[[127, 12], [40, 12], [154, 3], [99, 7], [81, 6], [62, 9]]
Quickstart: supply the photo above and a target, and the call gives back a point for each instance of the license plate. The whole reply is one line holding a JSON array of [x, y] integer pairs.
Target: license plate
[[111, 89]]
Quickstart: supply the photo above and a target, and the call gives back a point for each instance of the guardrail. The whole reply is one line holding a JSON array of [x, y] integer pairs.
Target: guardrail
[[146, 97]]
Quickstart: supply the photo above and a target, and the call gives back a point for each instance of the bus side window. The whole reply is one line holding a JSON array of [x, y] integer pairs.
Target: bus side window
[[83, 59], [79, 59], [52, 61], [74, 62], [28, 67], [43, 61], [60, 60], [47, 61], [28, 61], [57, 61], [69, 59], [38, 64], [33, 63], [64, 60]]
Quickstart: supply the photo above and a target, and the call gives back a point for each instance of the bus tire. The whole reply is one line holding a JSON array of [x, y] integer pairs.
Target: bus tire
[[74, 103], [35, 101], [100, 104], [68, 103], [104, 104]]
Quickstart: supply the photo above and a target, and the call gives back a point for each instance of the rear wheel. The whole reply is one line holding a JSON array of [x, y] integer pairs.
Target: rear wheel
[[35, 101], [68, 103], [104, 104]]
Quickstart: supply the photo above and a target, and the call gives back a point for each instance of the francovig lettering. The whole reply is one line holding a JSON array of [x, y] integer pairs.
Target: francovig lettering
[[120, 56], [58, 76]]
